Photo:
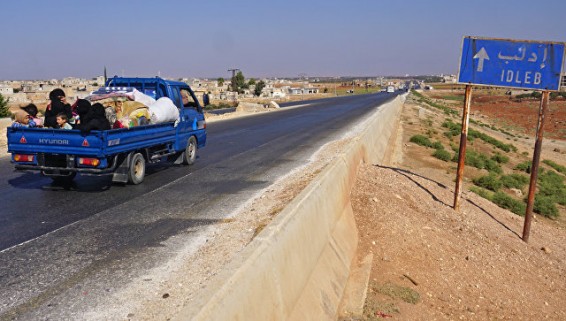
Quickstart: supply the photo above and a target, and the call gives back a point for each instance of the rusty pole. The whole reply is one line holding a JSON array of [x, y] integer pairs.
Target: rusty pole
[[534, 167], [462, 150]]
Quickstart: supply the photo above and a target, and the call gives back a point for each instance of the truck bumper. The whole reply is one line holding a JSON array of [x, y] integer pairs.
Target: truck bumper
[[65, 167]]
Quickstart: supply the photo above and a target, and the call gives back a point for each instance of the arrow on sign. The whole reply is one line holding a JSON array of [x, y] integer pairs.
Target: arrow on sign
[[481, 55]]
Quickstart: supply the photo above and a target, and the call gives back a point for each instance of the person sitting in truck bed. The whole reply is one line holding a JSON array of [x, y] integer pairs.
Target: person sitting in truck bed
[[91, 117], [32, 111], [112, 112], [62, 121], [57, 105], [23, 119]]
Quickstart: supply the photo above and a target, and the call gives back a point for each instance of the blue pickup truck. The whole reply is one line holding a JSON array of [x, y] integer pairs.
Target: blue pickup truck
[[122, 153]]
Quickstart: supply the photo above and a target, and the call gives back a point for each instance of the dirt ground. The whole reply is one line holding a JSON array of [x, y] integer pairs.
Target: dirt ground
[[518, 116], [433, 263]]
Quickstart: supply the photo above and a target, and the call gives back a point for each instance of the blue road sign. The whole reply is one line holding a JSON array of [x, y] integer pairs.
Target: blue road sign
[[511, 63]]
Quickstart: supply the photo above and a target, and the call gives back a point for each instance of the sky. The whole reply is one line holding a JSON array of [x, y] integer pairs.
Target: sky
[[174, 38]]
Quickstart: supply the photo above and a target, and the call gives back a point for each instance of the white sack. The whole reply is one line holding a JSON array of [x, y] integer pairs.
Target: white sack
[[142, 98], [163, 110]]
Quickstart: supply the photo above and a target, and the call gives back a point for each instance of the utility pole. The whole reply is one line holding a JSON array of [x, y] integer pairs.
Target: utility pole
[[233, 70], [335, 80]]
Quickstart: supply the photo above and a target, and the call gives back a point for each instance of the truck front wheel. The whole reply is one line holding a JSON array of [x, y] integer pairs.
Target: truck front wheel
[[190, 154], [136, 170]]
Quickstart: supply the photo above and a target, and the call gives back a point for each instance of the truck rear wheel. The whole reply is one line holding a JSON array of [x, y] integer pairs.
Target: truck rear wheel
[[190, 154], [136, 170]]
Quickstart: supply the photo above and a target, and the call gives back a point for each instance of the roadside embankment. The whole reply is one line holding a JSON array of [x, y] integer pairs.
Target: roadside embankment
[[298, 266]]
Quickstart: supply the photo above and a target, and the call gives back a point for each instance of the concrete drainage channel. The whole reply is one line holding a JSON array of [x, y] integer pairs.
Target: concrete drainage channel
[[297, 268]]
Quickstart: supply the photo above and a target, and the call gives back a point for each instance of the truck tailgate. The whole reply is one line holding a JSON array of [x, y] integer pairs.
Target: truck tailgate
[[96, 144], [56, 141]]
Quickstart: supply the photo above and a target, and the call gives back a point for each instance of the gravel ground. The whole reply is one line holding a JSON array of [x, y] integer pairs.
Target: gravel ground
[[433, 263]]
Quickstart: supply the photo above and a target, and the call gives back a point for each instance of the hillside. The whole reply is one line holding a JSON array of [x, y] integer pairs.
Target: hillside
[[432, 263]]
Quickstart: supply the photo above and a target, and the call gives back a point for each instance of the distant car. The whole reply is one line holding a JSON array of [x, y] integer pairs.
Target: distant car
[[390, 89]]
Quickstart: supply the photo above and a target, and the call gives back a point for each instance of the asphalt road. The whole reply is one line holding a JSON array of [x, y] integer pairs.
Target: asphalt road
[[56, 241]]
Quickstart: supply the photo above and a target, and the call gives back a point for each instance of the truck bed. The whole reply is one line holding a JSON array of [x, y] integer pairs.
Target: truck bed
[[95, 144]]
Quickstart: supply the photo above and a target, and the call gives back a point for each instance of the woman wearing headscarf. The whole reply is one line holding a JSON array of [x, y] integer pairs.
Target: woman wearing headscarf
[[91, 117], [57, 105]]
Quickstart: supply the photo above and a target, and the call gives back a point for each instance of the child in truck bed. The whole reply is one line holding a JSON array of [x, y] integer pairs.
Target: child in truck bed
[[23, 119], [62, 121], [32, 111]]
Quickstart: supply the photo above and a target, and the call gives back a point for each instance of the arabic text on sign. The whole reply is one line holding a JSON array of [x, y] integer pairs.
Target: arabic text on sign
[[523, 51]]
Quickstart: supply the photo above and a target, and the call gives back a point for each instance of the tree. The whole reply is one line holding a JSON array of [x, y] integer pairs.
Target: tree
[[239, 82], [4, 110], [259, 87], [220, 82], [251, 82]]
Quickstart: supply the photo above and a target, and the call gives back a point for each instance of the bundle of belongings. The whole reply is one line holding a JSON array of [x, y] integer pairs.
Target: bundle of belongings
[[126, 107]]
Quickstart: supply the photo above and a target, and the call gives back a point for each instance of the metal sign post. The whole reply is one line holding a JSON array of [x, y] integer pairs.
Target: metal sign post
[[462, 149], [509, 63], [534, 167]]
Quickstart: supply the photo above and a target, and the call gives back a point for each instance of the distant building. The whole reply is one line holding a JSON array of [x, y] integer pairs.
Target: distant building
[[6, 90], [450, 79], [99, 81], [31, 87], [302, 91], [295, 91], [274, 92], [19, 98]]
